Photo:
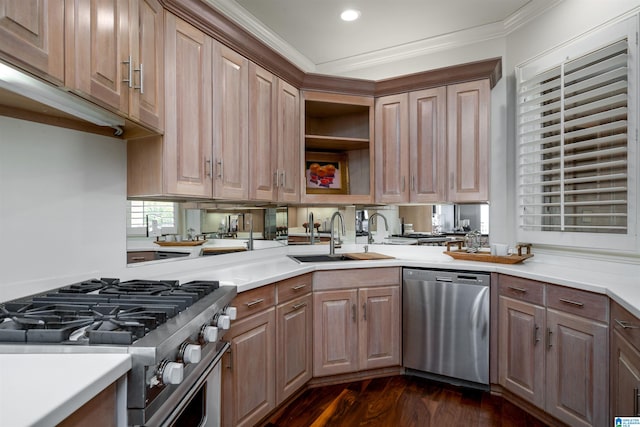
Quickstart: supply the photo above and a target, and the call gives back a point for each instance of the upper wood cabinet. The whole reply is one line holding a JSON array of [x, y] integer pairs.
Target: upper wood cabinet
[[114, 55], [468, 141], [230, 119], [186, 166], [274, 132], [433, 145], [338, 131], [32, 36]]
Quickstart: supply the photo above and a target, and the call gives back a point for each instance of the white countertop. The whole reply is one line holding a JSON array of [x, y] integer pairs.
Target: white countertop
[[44, 389]]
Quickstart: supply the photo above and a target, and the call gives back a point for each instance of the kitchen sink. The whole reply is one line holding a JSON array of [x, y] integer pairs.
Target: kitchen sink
[[320, 258]]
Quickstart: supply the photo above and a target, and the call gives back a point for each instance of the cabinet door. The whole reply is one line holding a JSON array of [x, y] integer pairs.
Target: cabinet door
[[521, 349], [577, 380], [263, 142], [249, 370], [188, 132], [392, 148], [32, 36], [379, 330], [289, 163], [427, 145], [294, 341], [97, 49], [625, 378], [468, 141], [335, 332], [231, 120], [147, 44]]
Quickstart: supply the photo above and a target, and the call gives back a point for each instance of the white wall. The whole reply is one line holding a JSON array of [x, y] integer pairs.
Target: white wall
[[62, 207]]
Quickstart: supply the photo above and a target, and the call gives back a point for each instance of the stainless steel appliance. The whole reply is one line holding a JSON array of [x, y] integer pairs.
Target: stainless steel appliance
[[445, 325], [172, 332]]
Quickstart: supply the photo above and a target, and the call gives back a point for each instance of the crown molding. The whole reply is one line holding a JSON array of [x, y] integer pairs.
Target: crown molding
[[240, 16]]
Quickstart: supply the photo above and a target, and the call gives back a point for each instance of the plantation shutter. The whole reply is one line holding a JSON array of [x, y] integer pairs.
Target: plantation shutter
[[573, 145]]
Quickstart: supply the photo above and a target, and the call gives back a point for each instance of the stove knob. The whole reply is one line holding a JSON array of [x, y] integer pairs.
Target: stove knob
[[192, 353], [210, 334], [224, 321], [232, 312], [172, 373]]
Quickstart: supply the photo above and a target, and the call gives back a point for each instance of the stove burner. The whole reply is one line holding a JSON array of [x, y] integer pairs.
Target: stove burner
[[104, 311]]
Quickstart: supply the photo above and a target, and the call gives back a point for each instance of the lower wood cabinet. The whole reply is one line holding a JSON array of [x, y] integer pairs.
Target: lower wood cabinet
[[625, 363], [553, 349], [248, 370], [359, 328]]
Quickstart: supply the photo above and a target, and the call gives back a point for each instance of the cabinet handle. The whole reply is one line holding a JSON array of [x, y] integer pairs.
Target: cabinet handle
[[364, 311], [128, 80], [536, 336], [207, 167], [276, 181], [283, 175], [299, 306], [297, 288], [252, 303], [626, 325], [353, 312], [220, 168], [549, 333], [137, 258], [636, 394], [141, 71], [570, 302], [413, 183], [521, 290], [403, 184], [451, 180], [230, 359]]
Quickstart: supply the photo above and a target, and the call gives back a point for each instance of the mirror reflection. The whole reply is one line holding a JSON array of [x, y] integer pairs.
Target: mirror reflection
[[162, 230]]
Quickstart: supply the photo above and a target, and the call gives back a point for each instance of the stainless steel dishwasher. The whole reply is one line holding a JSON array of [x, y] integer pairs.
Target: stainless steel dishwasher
[[445, 325]]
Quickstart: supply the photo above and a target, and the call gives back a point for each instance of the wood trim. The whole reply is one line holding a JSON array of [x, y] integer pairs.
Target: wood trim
[[325, 83], [487, 69], [526, 406], [355, 376]]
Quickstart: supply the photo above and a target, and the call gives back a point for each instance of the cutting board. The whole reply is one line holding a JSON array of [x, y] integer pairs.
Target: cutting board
[[365, 256], [223, 249], [181, 243]]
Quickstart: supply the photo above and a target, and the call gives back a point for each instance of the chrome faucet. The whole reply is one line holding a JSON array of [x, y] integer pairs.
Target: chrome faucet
[[250, 242], [386, 225], [311, 227], [332, 243]]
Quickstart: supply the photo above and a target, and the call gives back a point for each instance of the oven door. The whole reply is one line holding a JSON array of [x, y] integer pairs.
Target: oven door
[[197, 404]]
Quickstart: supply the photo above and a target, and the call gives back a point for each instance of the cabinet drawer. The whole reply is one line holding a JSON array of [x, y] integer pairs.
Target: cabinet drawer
[[626, 324], [581, 303], [255, 300], [364, 277], [292, 288], [521, 289]]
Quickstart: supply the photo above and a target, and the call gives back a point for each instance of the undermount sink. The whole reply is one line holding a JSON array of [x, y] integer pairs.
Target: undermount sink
[[320, 258]]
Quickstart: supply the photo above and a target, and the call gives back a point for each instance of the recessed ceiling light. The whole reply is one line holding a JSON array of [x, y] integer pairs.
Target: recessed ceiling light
[[350, 15]]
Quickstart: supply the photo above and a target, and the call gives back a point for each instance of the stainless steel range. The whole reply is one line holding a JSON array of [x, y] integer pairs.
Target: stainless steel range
[[172, 332]]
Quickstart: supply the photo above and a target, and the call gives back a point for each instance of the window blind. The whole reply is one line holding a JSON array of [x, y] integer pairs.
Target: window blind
[[573, 145], [139, 212]]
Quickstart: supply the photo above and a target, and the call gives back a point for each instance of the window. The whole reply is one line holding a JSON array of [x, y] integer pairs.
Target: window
[[577, 139], [143, 214]]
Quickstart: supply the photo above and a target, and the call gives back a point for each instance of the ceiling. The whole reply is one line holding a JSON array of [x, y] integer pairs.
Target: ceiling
[[311, 35]]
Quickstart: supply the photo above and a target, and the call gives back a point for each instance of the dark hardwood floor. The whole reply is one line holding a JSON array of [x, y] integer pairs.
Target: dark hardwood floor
[[399, 401]]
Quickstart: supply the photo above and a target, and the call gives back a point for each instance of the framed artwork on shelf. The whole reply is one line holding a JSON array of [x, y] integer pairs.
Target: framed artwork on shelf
[[326, 173]]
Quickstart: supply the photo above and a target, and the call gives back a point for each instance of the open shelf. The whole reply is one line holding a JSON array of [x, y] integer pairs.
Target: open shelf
[[335, 143]]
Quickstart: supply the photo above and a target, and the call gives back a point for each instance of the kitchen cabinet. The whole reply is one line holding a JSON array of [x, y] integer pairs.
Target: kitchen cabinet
[[356, 320], [432, 145], [113, 55], [294, 335], [274, 123], [625, 363], [32, 36], [338, 131], [231, 113], [552, 342], [248, 377]]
